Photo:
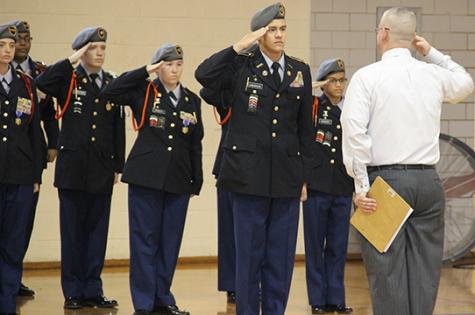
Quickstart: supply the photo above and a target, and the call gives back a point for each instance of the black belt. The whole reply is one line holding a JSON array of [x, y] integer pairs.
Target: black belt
[[400, 167]]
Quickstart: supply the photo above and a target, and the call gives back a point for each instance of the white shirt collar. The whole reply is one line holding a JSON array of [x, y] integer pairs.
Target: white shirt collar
[[176, 91], [8, 76], [269, 61], [396, 52], [25, 65]]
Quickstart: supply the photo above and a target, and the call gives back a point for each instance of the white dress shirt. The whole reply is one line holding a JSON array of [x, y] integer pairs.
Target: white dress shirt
[[392, 110]]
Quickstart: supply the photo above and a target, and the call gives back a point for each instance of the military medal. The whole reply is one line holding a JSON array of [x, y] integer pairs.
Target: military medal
[[328, 138], [185, 128], [108, 107], [252, 104], [18, 121], [319, 136], [153, 121]]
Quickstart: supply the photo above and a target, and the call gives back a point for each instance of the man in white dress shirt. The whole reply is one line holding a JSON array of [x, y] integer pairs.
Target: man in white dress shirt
[[391, 125]]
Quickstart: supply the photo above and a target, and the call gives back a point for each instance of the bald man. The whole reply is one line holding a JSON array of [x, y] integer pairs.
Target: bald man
[[391, 126]]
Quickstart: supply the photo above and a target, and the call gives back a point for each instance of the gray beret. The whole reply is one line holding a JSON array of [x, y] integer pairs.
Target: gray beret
[[87, 35], [21, 26], [167, 52], [8, 31], [328, 67], [263, 17]]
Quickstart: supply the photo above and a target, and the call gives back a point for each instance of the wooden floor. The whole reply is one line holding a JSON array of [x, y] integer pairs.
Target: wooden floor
[[195, 290]]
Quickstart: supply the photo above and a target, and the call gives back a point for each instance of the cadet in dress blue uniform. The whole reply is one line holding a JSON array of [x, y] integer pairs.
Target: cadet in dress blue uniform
[[266, 151], [163, 170], [91, 154], [23, 62], [20, 166], [326, 212], [221, 100]]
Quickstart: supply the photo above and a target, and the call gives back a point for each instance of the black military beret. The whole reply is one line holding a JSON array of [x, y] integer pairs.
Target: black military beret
[[8, 31], [328, 67], [21, 26], [263, 17], [87, 35], [167, 52]]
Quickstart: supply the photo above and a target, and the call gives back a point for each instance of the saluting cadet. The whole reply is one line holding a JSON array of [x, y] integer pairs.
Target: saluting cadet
[[221, 100], [91, 154], [326, 213], [23, 62], [266, 150], [20, 166], [163, 170]]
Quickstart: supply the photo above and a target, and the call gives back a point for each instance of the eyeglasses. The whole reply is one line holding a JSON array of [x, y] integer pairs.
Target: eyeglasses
[[335, 81], [382, 28]]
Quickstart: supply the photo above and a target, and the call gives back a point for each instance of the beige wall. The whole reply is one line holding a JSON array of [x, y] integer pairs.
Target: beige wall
[[136, 29]]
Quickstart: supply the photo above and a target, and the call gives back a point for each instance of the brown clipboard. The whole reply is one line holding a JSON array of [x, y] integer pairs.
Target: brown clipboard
[[381, 227]]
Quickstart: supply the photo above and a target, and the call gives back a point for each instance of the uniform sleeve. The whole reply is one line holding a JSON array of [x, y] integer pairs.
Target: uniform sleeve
[[218, 99], [305, 124], [196, 154], [356, 143], [119, 140], [50, 123], [457, 84], [56, 79], [217, 72], [34, 130], [127, 87]]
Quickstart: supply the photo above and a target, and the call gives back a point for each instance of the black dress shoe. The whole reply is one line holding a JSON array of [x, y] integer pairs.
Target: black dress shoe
[[99, 302], [72, 303], [340, 309], [170, 310], [25, 291], [319, 309], [142, 312], [231, 296]]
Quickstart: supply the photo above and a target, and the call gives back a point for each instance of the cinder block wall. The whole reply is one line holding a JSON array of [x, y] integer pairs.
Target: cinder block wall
[[136, 29], [345, 28]]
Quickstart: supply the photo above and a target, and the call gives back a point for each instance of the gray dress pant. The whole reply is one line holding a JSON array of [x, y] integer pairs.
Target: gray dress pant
[[405, 279]]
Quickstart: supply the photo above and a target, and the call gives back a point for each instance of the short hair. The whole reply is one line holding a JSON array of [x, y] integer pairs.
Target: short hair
[[401, 22]]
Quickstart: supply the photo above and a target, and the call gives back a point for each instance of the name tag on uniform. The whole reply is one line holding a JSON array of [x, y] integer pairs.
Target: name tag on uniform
[[23, 105], [255, 86], [325, 121], [81, 92]]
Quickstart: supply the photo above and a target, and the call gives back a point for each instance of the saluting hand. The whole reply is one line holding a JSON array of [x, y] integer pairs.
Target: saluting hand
[[365, 204], [249, 39], [421, 45], [154, 68], [319, 84], [74, 58]]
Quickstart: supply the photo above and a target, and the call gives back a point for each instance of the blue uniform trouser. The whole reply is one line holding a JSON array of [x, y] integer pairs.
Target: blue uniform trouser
[[226, 244], [326, 224], [31, 221], [15, 204], [266, 235], [156, 223], [84, 223]]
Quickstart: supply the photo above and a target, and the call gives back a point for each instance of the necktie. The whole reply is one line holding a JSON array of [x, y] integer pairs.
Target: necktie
[[94, 77], [6, 86], [172, 97], [275, 74], [18, 67]]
